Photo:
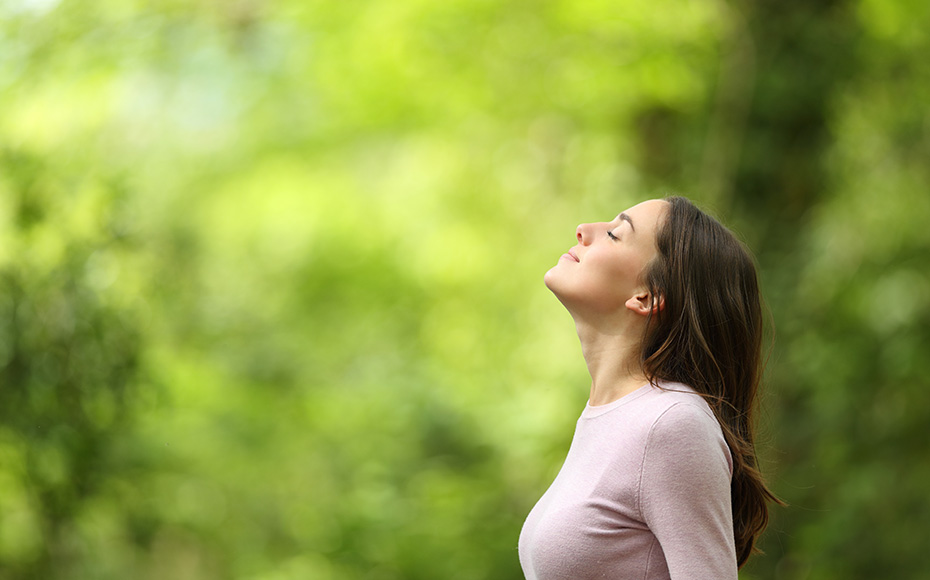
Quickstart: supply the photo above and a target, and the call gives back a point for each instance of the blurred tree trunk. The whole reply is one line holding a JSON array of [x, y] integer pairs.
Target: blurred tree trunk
[[764, 142], [764, 138], [804, 57]]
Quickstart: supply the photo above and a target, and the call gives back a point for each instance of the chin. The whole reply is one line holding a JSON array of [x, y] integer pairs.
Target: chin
[[550, 279], [555, 285]]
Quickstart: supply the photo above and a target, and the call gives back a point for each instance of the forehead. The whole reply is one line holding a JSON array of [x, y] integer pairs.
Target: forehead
[[647, 215]]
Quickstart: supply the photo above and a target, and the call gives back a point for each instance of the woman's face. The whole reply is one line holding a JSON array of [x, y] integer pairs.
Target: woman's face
[[604, 270]]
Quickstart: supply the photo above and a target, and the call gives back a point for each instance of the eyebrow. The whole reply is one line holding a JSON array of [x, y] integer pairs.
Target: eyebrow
[[624, 217]]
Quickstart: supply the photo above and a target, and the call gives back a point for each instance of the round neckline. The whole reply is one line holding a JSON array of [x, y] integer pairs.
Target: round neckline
[[591, 411]]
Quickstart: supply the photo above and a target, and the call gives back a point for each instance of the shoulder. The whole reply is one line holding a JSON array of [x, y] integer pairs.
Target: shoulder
[[684, 430], [676, 404], [685, 418], [684, 453], [657, 415], [684, 494]]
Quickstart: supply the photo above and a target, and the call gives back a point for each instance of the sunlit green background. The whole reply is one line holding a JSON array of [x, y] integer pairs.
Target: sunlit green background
[[271, 300]]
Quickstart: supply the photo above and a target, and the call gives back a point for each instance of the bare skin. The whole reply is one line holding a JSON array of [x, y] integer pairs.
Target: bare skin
[[599, 281]]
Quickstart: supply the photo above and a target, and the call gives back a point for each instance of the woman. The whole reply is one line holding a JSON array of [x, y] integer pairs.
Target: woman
[[661, 478]]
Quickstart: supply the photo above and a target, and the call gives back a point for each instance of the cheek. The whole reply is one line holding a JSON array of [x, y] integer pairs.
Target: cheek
[[606, 280], [614, 278], [608, 270]]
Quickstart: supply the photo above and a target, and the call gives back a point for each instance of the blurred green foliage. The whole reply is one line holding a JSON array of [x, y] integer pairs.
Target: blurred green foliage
[[270, 273]]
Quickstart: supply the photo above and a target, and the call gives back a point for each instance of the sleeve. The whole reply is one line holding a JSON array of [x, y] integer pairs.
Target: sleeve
[[685, 494]]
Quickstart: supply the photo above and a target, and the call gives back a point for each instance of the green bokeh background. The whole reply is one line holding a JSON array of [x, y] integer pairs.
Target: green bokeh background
[[271, 300]]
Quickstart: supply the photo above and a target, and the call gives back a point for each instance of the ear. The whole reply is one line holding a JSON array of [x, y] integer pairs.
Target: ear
[[643, 304]]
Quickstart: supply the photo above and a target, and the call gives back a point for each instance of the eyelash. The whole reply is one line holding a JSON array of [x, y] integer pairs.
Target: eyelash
[[611, 235]]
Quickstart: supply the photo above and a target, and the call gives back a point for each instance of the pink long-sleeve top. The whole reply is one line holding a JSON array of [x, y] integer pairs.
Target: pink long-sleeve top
[[644, 494]]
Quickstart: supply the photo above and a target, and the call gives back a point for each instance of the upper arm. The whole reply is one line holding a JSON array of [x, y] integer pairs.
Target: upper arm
[[685, 494]]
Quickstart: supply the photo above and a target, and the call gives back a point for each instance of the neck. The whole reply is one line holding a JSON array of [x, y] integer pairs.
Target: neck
[[613, 360]]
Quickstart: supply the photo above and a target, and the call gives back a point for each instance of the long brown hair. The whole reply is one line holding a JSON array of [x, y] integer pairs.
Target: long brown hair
[[708, 335]]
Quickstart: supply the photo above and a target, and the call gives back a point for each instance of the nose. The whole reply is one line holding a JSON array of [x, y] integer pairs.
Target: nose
[[580, 233]]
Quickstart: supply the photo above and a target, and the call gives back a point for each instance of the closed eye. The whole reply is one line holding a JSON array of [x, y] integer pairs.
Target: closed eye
[[611, 235]]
